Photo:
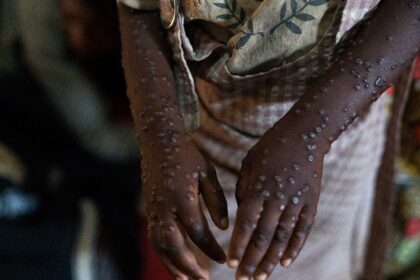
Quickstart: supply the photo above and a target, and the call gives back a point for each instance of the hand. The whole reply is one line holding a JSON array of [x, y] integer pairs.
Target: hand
[[174, 177], [277, 194]]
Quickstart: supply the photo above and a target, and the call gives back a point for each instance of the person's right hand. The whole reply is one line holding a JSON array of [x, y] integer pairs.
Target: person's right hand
[[174, 176]]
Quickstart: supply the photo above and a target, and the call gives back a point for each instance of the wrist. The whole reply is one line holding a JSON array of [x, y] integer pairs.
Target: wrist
[[308, 126]]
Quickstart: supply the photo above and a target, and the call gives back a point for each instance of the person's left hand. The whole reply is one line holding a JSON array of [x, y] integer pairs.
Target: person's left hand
[[277, 194]]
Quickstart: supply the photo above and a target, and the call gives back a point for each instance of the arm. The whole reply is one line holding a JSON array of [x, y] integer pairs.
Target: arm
[[283, 194], [386, 45], [173, 170]]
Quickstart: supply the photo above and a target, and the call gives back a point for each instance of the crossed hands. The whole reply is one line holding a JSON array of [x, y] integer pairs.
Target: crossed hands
[[277, 194]]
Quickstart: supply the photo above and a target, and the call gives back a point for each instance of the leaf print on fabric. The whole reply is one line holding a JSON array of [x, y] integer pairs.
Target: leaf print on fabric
[[283, 11], [293, 27], [242, 41], [293, 5], [305, 17], [225, 16], [247, 35], [316, 2], [231, 13], [296, 13], [250, 26], [221, 5], [242, 16]]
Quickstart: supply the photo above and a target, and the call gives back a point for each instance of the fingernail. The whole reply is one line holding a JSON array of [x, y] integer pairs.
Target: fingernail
[[286, 262], [233, 263], [243, 277], [225, 222], [261, 276]]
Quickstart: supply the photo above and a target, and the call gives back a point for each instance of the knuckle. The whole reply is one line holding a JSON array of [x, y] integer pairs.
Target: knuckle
[[246, 223], [305, 228], [282, 234], [167, 229], [310, 221], [261, 239], [249, 267], [171, 250], [197, 232], [294, 253], [269, 265]]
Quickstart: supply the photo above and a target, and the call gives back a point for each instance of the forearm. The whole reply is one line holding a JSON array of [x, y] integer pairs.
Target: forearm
[[150, 81], [379, 53], [174, 173]]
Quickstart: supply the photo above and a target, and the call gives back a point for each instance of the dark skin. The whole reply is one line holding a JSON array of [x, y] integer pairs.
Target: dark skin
[[176, 177], [279, 184]]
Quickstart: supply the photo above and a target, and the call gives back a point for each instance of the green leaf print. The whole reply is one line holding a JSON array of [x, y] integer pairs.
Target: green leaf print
[[317, 2], [305, 17], [293, 5], [283, 11], [296, 12], [293, 27], [225, 16], [243, 40], [231, 13], [221, 5]]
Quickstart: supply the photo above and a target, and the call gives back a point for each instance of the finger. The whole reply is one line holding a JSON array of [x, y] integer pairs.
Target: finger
[[300, 234], [214, 198], [279, 243], [261, 239], [197, 228], [240, 188], [173, 246], [175, 272], [247, 218], [155, 237]]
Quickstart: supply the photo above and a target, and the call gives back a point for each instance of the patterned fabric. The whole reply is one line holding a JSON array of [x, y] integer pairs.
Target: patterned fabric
[[264, 34], [273, 86], [294, 72], [275, 82]]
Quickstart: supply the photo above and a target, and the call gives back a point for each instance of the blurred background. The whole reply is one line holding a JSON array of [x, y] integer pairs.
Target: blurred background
[[69, 171]]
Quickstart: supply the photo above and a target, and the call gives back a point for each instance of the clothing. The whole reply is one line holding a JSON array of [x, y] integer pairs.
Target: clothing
[[287, 75], [236, 109]]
